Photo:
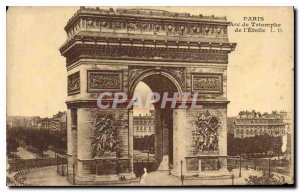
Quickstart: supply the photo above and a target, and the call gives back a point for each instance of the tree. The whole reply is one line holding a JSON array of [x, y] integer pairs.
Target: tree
[[256, 144], [39, 140], [265, 179], [12, 145], [144, 143]]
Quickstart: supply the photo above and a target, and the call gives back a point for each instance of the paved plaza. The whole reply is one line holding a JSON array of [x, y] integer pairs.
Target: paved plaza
[[49, 177]]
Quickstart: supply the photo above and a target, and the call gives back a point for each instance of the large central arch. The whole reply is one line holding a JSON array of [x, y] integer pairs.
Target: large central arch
[[161, 81]]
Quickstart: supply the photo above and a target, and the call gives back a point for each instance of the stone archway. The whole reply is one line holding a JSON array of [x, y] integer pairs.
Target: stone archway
[[161, 81], [111, 51]]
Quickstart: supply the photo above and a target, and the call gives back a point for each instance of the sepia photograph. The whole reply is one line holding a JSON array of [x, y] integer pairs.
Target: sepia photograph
[[150, 96]]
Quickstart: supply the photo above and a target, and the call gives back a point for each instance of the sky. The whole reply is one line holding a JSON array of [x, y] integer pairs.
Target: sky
[[260, 70]]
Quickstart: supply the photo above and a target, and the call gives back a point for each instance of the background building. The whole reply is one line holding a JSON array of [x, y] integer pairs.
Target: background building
[[144, 125], [59, 121], [56, 123], [250, 124], [21, 121]]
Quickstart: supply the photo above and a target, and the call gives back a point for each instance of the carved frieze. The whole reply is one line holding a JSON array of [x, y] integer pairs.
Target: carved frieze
[[140, 53], [207, 83], [74, 83], [167, 29], [104, 81], [206, 133]]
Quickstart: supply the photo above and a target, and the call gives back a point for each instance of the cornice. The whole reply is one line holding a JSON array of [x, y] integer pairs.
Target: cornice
[[144, 63], [146, 40], [146, 14]]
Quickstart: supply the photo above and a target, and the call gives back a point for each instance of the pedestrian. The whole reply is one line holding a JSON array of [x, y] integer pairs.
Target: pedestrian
[[143, 178]]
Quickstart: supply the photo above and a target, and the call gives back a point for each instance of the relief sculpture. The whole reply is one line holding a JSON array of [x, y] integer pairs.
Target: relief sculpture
[[74, 83], [104, 80], [179, 74], [104, 140], [207, 83], [206, 133], [149, 53], [134, 73]]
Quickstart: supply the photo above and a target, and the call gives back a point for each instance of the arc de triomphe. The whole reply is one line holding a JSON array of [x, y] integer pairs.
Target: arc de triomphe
[[113, 50]]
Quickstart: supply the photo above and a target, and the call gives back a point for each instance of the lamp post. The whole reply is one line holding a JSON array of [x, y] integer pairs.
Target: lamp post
[[270, 153], [278, 148], [57, 164], [269, 166], [73, 174], [181, 177], [148, 160], [240, 173], [62, 168], [117, 167], [67, 168]]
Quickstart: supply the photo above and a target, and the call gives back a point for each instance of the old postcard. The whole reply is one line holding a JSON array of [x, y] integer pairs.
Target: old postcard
[[150, 96]]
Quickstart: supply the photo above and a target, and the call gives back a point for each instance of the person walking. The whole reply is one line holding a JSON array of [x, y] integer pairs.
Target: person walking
[[143, 178]]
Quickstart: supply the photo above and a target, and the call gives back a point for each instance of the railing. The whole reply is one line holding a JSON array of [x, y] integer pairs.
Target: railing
[[16, 165], [63, 168], [62, 165], [259, 164], [18, 178]]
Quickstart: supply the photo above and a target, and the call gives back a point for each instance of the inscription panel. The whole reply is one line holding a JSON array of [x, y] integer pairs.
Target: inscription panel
[[207, 83], [74, 83], [104, 81]]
